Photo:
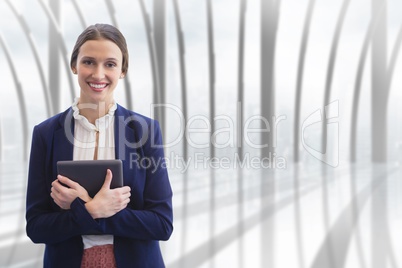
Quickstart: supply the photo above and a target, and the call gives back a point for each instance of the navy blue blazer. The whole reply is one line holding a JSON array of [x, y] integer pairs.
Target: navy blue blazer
[[137, 229]]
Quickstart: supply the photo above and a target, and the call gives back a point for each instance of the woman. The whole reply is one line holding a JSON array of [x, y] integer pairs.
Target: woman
[[117, 227]]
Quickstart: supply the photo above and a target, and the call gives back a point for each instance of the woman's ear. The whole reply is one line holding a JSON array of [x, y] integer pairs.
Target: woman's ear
[[122, 75], [74, 70]]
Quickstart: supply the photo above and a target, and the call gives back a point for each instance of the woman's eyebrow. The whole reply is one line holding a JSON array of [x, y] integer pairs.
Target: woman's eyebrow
[[87, 58], [92, 58]]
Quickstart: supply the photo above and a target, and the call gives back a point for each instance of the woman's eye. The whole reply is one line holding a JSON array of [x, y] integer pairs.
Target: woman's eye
[[111, 65], [87, 62]]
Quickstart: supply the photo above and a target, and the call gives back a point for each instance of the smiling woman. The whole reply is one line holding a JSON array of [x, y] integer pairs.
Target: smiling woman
[[100, 58], [99, 67], [118, 227]]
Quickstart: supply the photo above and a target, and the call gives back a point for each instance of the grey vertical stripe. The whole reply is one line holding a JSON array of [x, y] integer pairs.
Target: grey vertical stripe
[[379, 80], [184, 101], [381, 248], [183, 76], [159, 34], [355, 215], [211, 62], [296, 131], [240, 217], [269, 26], [358, 82], [328, 248], [34, 49], [298, 217], [330, 70], [62, 46], [300, 76], [20, 96], [79, 13], [356, 93], [54, 55], [152, 54], [184, 210], [240, 78], [240, 139]]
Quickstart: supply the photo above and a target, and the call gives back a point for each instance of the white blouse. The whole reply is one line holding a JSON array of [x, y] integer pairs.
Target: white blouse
[[84, 149]]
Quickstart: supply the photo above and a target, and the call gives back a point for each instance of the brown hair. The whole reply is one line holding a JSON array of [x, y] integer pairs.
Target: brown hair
[[101, 31]]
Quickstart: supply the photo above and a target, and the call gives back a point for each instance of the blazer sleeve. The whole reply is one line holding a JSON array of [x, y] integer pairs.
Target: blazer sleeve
[[46, 222], [155, 221]]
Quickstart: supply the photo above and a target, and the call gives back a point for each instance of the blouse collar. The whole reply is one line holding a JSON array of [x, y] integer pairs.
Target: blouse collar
[[100, 123]]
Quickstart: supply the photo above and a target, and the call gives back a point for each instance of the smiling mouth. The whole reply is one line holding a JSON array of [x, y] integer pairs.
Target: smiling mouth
[[97, 86]]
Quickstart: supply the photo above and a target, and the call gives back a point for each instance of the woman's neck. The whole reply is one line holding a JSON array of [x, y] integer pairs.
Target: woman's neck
[[94, 111]]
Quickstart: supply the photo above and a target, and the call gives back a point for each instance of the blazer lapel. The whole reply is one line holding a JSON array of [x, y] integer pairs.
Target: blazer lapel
[[125, 138], [63, 139]]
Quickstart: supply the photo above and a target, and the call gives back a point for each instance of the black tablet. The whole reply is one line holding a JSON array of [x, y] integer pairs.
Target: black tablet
[[91, 174]]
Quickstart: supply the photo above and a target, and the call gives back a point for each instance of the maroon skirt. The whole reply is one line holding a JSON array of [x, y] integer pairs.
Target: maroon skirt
[[99, 257]]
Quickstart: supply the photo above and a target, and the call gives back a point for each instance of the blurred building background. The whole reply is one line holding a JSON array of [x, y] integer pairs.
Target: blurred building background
[[281, 121]]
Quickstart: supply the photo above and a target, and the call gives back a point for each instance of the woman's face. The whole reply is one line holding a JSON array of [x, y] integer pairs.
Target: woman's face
[[98, 68]]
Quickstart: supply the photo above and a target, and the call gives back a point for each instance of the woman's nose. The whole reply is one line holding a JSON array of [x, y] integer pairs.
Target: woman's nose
[[98, 72]]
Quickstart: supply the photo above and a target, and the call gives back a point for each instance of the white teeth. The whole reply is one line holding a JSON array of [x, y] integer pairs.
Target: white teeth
[[98, 85]]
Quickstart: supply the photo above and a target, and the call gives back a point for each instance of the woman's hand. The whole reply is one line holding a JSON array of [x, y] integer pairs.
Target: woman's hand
[[108, 202], [63, 196]]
